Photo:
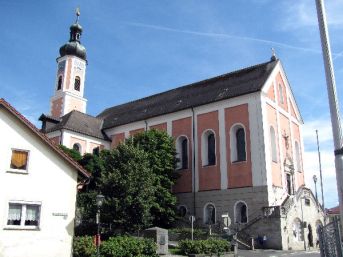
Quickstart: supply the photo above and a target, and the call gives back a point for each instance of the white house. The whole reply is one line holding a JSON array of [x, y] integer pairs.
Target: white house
[[38, 186]]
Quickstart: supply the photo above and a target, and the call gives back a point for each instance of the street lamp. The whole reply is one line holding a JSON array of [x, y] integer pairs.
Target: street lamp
[[315, 186], [99, 201]]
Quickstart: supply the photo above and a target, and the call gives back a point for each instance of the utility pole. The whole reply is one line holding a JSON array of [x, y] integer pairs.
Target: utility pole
[[333, 101]]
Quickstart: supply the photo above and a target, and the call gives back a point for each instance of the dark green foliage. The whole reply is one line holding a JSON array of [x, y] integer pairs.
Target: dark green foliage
[[71, 152], [83, 247], [127, 184], [210, 246], [161, 156], [186, 233], [125, 246]]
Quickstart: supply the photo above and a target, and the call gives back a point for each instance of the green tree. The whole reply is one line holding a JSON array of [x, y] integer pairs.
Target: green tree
[[160, 148], [127, 184]]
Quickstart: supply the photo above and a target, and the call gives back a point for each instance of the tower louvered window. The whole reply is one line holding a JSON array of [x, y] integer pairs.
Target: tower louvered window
[[77, 83]]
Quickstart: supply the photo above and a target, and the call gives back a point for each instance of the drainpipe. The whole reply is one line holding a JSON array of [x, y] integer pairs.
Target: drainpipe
[[193, 162], [146, 125]]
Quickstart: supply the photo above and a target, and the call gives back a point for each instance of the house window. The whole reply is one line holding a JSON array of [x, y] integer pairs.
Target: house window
[[281, 94], [182, 152], [77, 147], [297, 157], [307, 202], [238, 144], [208, 148], [23, 215], [19, 160], [77, 83], [241, 212], [59, 84], [210, 214], [273, 144]]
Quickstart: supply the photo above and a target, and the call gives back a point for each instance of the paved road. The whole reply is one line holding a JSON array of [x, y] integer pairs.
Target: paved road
[[275, 253]]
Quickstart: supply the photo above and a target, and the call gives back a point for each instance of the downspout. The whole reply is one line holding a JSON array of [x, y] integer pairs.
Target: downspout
[[193, 162], [61, 140]]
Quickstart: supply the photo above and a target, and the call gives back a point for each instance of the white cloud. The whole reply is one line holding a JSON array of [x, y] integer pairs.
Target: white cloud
[[302, 13]]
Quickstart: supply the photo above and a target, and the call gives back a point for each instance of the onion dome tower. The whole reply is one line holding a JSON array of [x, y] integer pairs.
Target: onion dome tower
[[70, 75]]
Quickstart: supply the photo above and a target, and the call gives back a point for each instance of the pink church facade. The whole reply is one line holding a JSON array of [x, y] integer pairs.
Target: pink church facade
[[238, 138]]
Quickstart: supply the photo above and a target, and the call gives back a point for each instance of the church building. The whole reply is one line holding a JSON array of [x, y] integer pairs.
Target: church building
[[238, 137]]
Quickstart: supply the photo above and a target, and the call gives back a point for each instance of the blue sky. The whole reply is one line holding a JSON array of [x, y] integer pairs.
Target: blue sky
[[138, 48]]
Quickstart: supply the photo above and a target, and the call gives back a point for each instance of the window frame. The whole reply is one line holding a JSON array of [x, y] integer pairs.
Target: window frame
[[19, 171], [180, 153], [24, 205], [179, 210], [273, 145], [205, 217], [240, 212], [59, 82], [205, 148], [77, 87], [233, 143], [79, 146]]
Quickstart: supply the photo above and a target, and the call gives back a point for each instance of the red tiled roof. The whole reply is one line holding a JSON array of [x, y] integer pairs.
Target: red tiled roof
[[32, 127], [334, 210]]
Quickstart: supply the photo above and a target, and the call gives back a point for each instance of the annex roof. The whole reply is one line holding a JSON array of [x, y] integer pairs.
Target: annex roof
[[233, 84], [78, 122], [30, 126]]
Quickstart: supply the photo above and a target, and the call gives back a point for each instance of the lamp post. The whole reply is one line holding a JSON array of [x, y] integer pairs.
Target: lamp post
[[99, 201], [315, 186]]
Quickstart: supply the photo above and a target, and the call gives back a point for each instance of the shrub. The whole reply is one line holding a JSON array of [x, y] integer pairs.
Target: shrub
[[83, 247], [210, 246], [125, 246], [186, 233]]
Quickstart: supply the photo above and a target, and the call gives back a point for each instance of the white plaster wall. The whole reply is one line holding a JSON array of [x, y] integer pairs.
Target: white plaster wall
[[67, 135], [49, 181]]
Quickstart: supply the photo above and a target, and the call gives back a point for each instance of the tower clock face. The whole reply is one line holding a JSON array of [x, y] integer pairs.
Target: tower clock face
[[79, 65]]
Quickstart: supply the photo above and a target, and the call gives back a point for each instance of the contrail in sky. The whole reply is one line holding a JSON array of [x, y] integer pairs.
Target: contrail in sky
[[222, 35]]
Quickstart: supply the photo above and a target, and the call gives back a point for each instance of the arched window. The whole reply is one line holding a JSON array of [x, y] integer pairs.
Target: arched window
[[182, 152], [297, 230], [238, 144], [297, 157], [77, 147], [59, 83], [281, 94], [241, 212], [96, 150], [210, 214], [77, 83], [208, 148], [182, 211], [273, 144]]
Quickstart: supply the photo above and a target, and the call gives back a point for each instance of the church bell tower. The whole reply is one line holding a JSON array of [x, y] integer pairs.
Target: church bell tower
[[70, 75]]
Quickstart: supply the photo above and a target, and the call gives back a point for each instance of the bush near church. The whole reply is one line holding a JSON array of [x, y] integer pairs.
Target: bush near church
[[121, 246], [209, 246]]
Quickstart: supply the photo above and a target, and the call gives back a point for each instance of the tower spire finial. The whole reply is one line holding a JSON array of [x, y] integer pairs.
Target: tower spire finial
[[77, 12], [273, 58]]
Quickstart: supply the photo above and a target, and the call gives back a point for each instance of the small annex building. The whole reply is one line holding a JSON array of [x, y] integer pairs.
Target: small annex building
[[238, 137], [38, 186]]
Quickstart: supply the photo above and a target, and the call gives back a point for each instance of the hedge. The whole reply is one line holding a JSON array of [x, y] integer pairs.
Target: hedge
[[121, 246], [83, 246], [210, 246]]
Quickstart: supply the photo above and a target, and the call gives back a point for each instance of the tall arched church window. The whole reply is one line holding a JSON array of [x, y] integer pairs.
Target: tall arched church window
[[182, 152], [240, 137], [59, 83], [273, 144], [241, 212], [77, 147], [77, 83], [208, 148], [182, 211], [238, 144], [210, 214], [297, 157], [281, 94]]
